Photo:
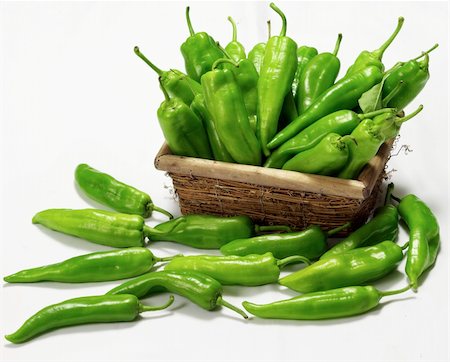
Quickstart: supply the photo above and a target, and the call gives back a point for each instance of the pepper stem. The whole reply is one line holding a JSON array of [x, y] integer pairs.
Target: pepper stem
[[397, 291], [225, 304], [150, 308], [346, 138], [427, 52], [409, 116], [145, 59], [166, 95], [405, 245], [233, 24], [269, 29], [380, 51], [283, 18], [223, 60], [189, 24], [149, 231], [395, 198], [262, 228], [166, 258], [393, 92], [223, 50], [389, 189], [339, 228], [424, 63], [293, 259], [338, 44], [376, 113], [162, 211]]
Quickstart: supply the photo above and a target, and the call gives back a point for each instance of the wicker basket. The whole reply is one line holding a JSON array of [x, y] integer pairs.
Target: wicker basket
[[272, 196]]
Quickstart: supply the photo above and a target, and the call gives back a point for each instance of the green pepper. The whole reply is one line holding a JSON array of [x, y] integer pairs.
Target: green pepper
[[176, 83], [304, 55], [225, 100], [346, 269], [95, 309], [366, 58], [250, 270], [199, 288], [326, 158], [318, 75], [389, 125], [218, 148], [94, 267], [335, 303], [98, 226], [256, 55], [208, 231], [342, 95], [234, 48], [199, 51], [275, 80], [310, 243], [108, 191], [182, 129]]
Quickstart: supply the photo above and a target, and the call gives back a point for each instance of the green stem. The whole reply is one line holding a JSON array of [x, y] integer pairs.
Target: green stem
[[427, 52], [262, 228], [166, 258], [338, 44], [223, 60], [424, 63], [376, 113], [149, 231], [189, 24], [400, 121], [339, 228], [149, 308], [293, 259], [162, 211], [380, 51], [395, 198], [233, 24], [269, 29], [224, 51], [166, 95], [405, 245], [225, 304], [144, 58], [393, 92], [393, 292], [389, 189], [283, 19], [346, 138]]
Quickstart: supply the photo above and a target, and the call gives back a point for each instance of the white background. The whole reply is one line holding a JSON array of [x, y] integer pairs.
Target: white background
[[73, 91]]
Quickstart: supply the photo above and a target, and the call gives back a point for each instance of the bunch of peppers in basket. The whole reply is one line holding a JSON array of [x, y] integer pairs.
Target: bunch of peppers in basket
[[282, 105], [333, 283]]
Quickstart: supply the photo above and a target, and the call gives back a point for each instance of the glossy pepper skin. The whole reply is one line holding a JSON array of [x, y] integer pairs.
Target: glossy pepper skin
[[176, 83], [326, 158], [235, 48], [94, 267], [84, 310], [98, 226], [218, 149], [182, 129], [199, 288], [208, 231], [275, 79], [335, 303], [199, 51], [250, 270], [423, 236], [310, 243], [373, 58], [318, 75], [342, 95], [353, 267], [304, 55], [225, 101], [108, 191]]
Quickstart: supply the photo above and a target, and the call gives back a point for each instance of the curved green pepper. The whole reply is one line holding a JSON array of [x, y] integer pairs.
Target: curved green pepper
[[304, 55], [234, 48]]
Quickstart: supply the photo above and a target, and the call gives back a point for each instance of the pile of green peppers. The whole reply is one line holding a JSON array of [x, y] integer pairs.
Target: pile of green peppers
[[282, 105]]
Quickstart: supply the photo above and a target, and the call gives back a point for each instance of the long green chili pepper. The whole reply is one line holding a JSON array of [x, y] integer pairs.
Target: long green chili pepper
[[176, 83], [250, 270], [318, 75], [390, 126], [342, 95], [373, 58], [256, 55], [277, 72], [235, 48], [225, 101], [208, 231], [94, 267], [182, 129], [108, 191], [326, 158], [199, 288], [310, 243], [336, 303], [99, 226], [199, 51], [304, 55], [423, 236], [340, 122], [383, 226], [346, 269], [84, 310]]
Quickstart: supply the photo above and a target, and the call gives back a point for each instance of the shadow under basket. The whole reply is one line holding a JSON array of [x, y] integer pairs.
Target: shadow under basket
[[273, 196]]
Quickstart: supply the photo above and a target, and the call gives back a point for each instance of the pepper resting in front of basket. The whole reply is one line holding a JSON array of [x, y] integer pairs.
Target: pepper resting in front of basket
[[208, 231], [275, 80], [199, 288], [199, 51], [108, 191], [84, 310], [182, 129], [234, 48]]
